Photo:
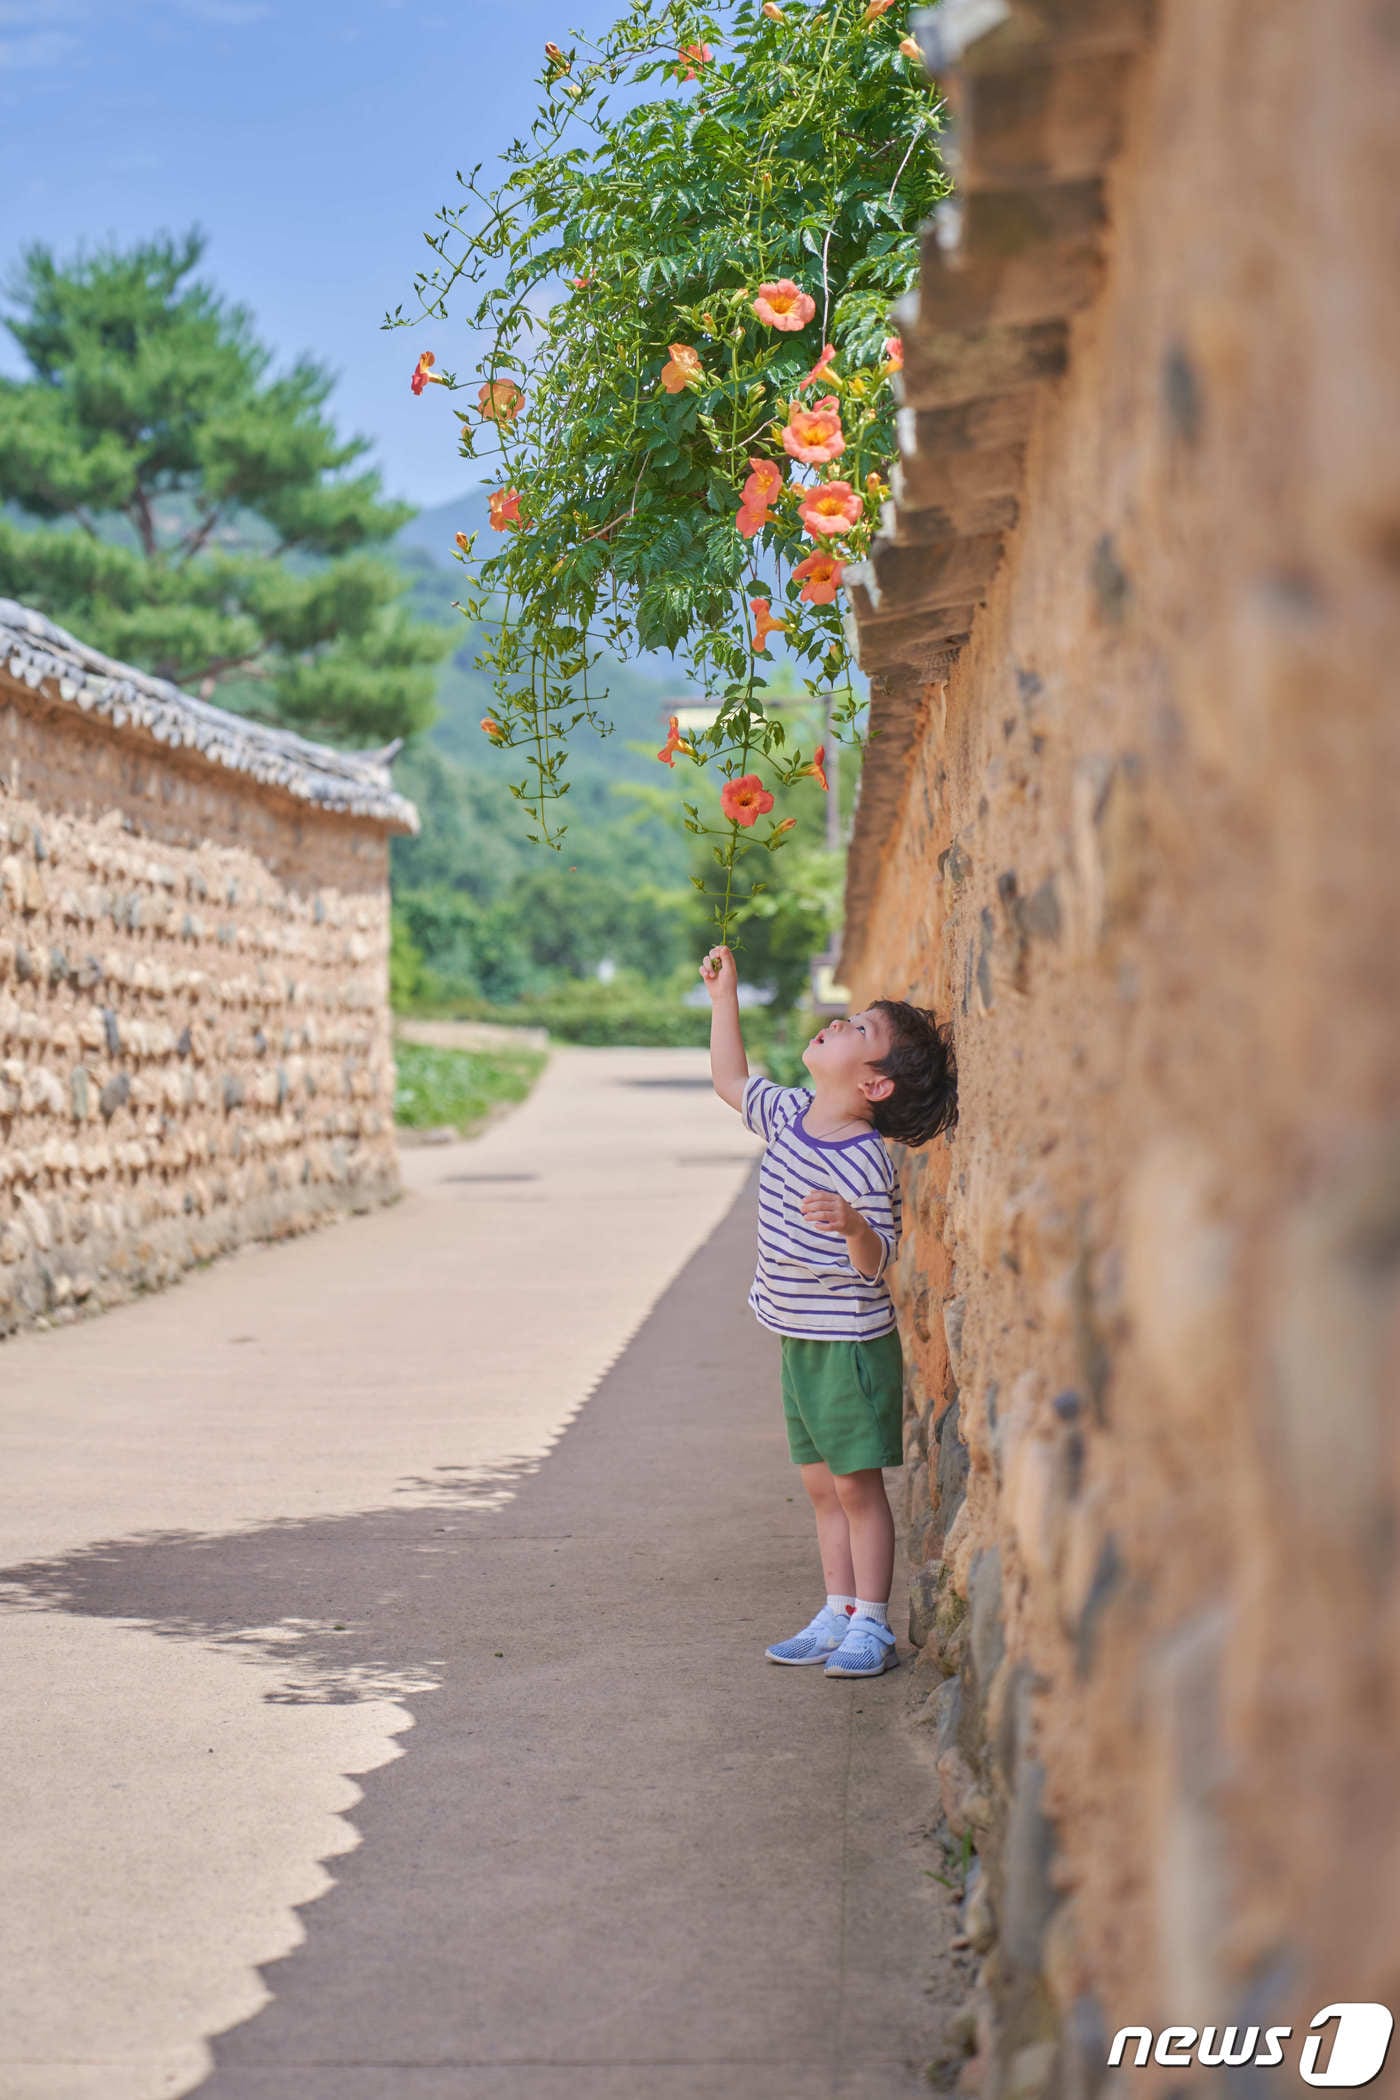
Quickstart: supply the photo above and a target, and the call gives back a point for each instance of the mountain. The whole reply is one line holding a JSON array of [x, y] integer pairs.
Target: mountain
[[474, 834], [473, 831], [632, 695], [431, 532]]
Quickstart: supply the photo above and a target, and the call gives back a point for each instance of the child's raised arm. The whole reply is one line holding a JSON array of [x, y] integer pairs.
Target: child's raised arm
[[729, 1068]]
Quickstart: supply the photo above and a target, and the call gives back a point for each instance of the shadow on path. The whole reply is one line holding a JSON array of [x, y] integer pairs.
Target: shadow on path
[[621, 1855]]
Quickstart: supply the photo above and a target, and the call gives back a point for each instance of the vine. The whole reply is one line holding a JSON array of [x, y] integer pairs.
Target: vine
[[684, 304]]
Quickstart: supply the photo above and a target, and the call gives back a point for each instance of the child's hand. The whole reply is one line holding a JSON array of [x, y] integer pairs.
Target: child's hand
[[721, 974], [830, 1212]]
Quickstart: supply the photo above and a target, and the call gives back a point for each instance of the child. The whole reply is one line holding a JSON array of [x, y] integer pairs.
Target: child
[[826, 1179]]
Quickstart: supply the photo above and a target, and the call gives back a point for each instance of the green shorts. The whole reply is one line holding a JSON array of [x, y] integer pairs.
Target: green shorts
[[844, 1401]]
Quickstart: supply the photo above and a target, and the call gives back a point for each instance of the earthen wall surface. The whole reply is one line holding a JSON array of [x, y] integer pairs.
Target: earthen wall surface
[[1147, 855], [194, 1033]]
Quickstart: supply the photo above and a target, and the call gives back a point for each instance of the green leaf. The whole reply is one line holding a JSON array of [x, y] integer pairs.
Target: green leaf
[[678, 202]]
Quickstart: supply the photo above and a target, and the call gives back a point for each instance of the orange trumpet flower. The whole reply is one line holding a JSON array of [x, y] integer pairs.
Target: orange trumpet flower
[[820, 577], [683, 366], [833, 507], [674, 742], [814, 435], [819, 369], [763, 484], [500, 400], [784, 305], [745, 799], [764, 624]]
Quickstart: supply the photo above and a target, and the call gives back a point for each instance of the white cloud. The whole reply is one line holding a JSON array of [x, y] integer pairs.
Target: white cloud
[[35, 50]]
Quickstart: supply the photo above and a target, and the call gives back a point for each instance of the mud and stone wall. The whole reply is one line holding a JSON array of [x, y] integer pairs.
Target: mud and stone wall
[[194, 1032], [1141, 844]]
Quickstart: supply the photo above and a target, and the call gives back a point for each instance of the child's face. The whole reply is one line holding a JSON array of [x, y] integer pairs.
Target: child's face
[[841, 1052]]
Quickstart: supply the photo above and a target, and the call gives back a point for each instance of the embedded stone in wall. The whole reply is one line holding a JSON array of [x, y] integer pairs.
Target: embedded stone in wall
[[1181, 1258]]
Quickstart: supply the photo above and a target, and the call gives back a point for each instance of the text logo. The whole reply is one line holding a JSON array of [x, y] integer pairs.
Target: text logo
[[1345, 2046], [1358, 2049]]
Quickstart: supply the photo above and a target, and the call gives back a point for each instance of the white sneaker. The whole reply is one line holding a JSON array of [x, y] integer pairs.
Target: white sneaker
[[815, 1642], [867, 1650]]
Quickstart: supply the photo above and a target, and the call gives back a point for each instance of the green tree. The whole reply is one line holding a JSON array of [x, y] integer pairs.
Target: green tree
[[793, 912], [790, 916], [464, 948], [185, 510], [405, 964]]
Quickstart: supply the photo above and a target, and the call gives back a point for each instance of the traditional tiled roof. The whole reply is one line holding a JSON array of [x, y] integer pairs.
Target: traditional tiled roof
[[43, 656], [1035, 90]]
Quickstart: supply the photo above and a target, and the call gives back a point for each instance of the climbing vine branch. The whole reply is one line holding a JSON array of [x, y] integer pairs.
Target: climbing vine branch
[[682, 282]]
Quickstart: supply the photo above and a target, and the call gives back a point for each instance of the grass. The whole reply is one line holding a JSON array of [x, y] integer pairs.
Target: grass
[[627, 1016], [459, 1088]]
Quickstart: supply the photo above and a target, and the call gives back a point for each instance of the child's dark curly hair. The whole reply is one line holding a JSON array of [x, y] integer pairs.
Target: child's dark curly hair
[[921, 1063]]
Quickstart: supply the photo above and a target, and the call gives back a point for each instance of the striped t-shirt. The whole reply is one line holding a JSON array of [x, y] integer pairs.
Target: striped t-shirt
[[806, 1283]]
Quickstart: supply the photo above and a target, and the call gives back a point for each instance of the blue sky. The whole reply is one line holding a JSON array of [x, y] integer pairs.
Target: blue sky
[[312, 142]]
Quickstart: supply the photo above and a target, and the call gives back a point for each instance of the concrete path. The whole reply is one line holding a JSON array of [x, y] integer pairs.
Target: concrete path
[[382, 1634]]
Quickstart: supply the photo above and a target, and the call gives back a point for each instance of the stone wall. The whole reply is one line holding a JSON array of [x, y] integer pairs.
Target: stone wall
[[1133, 826], [194, 1032]]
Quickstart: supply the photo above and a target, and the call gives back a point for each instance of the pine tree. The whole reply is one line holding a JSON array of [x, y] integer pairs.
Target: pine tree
[[182, 509]]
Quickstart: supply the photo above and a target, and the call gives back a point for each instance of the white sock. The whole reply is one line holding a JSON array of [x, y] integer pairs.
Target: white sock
[[865, 1610], [842, 1606]]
